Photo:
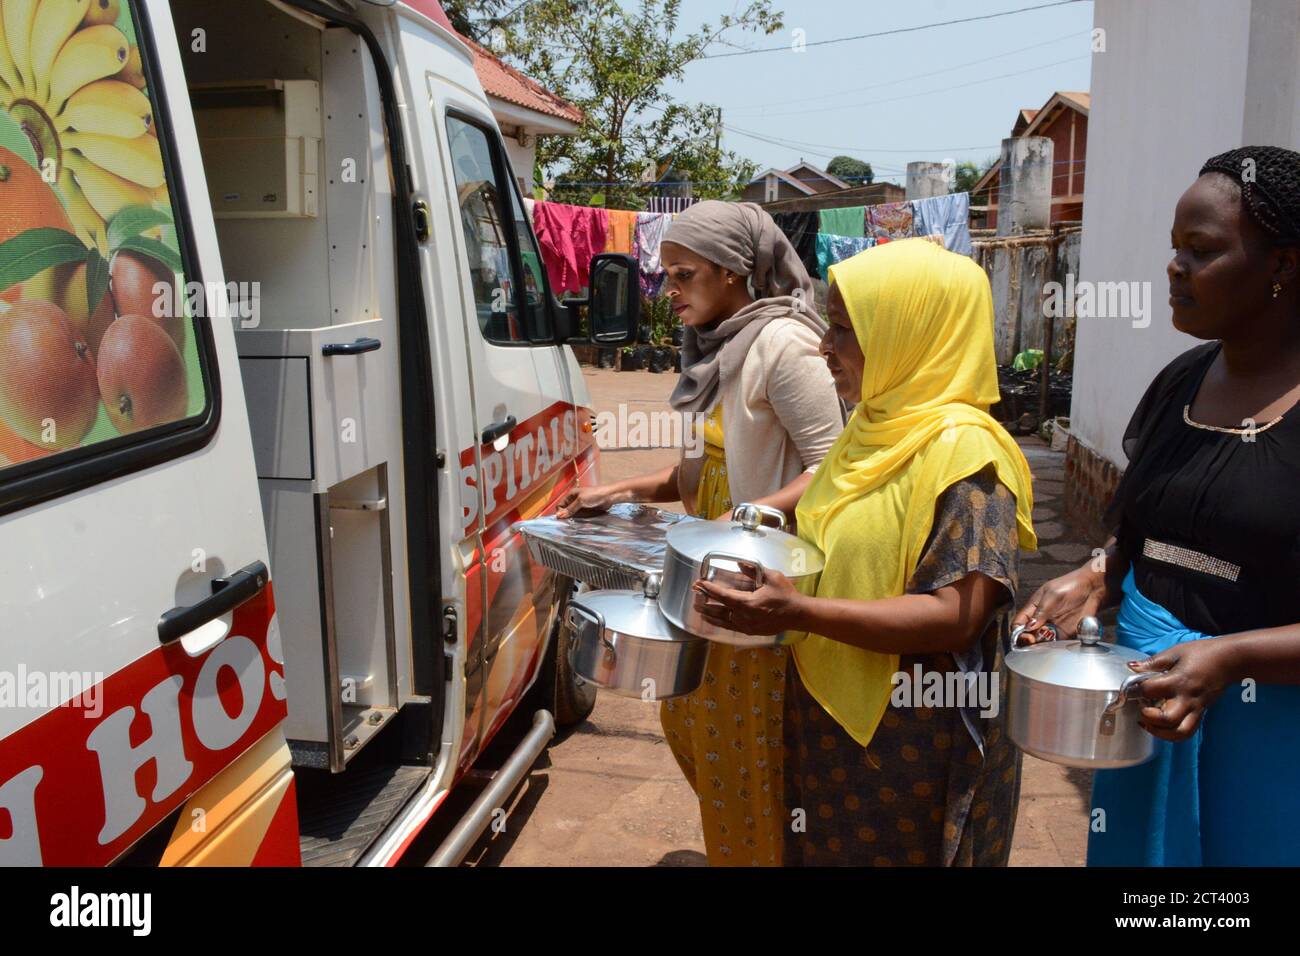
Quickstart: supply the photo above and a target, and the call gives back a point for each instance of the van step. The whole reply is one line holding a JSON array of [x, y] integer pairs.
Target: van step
[[340, 815]]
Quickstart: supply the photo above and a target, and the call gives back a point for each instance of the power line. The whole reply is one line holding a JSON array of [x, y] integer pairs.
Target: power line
[[895, 32], [945, 89], [908, 79]]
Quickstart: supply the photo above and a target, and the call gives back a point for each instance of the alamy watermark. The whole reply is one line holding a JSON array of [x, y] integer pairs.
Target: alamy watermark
[[242, 301], [628, 428], [1098, 300], [921, 688], [39, 690]]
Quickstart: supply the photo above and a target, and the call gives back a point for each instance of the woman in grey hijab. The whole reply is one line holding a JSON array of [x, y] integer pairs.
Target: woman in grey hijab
[[751, 364]]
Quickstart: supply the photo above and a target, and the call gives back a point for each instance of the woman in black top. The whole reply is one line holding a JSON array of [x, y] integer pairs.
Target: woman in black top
[[1205, 559]]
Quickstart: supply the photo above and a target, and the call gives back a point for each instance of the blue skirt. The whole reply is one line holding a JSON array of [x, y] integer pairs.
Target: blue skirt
[[1229, 796]]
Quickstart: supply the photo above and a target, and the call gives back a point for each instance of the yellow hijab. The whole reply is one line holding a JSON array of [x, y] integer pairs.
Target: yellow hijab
[[924, 319]]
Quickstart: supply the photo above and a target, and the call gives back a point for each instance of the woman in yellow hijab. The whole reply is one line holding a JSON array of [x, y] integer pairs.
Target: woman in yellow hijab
[[894, 750]]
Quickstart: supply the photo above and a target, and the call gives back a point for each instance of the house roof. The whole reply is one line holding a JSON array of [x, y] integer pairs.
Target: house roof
[[1062, 99], [506, 83], [786, 178], [829, 177]]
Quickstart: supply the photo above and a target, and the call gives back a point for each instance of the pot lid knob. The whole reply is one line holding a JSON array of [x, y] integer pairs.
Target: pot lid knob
[[650, 587], [1089, 631], [752, 517]]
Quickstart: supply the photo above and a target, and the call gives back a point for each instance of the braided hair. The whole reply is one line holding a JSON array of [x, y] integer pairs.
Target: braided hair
[[1270, 194]]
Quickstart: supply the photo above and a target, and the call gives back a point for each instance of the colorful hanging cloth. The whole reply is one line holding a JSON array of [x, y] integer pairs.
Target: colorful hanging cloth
[[948, 216], [850, 221], [650, 228], [622, 231], [891, 220], [833, 249], [569, 237]]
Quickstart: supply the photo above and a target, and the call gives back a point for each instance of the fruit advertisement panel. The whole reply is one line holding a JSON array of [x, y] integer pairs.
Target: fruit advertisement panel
[[95, 342]]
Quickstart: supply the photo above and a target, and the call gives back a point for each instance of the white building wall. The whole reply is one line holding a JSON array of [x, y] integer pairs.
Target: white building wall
[[1179, 81], [522, 159]]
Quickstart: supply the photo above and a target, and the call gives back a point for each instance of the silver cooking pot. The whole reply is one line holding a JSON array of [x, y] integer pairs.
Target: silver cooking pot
[[1077, 702], [734, 555], [622, 642]]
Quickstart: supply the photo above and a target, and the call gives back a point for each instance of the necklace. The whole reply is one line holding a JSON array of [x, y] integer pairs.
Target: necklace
[[1187, 417]]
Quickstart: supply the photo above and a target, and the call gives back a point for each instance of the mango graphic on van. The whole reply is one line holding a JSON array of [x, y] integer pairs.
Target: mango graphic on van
[[89, 259]]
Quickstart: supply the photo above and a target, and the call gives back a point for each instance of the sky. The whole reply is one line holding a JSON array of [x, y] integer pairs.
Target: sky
[[951, 92]]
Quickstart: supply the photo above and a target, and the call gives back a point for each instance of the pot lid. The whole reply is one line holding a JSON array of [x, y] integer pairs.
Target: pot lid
[[1084, 664], [749, 536], [634, 613]]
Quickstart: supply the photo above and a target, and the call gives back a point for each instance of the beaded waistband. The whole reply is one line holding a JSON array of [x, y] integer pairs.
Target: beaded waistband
[[1192, 560]]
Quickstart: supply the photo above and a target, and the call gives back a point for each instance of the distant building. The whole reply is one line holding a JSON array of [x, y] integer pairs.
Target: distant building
[[1064, 120], [803, 179], [524, 109], [871, 195]]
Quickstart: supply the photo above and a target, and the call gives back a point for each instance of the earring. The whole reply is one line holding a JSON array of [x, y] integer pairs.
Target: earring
[[1277, 287]]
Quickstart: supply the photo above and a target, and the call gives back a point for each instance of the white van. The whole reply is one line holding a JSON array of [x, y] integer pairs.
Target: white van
[[279, 369]]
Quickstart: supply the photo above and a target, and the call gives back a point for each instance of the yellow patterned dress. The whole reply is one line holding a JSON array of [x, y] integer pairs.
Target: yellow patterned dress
[[727, 735]]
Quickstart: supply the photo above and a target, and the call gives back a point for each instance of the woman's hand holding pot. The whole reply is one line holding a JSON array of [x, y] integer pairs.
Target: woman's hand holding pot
[[775, 607], [1190, 678], [1062, 602]]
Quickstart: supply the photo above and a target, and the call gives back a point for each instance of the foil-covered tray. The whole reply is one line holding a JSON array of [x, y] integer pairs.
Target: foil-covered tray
[[614, 550]]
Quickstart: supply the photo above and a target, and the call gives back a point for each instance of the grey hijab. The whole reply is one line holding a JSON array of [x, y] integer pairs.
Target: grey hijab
[[742, 238]]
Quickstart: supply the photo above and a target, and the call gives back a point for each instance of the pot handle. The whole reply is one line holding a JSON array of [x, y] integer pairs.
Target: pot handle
[[1017, 631], [754, 516], [752, 568], [1125, 693], [594, 617]]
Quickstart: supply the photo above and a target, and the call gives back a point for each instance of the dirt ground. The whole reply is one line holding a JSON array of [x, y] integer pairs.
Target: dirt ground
[[609, 793]]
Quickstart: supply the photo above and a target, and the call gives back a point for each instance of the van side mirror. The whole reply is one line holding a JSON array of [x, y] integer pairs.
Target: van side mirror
[[613, 302]]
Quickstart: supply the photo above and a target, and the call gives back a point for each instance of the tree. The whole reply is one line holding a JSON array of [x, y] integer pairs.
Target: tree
[[855, 171], [614, 63], [477, 19], [968, 174]]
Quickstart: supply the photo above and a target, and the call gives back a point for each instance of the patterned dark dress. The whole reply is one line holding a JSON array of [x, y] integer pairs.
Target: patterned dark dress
[[938, 785]]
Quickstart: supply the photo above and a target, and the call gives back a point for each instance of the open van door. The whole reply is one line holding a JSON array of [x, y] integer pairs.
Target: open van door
[[138, 644]]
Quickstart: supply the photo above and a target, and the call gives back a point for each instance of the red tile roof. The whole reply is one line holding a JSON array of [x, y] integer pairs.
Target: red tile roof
[[506, 83]]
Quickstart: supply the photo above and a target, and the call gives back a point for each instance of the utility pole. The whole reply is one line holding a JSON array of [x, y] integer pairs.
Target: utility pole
[[717, 132]]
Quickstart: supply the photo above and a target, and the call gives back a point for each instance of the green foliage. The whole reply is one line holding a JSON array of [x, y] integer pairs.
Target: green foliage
[[968, 174], [614, 60], [853, 170], [659, 316]]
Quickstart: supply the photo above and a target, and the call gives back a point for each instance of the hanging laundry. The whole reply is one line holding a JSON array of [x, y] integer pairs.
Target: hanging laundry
[[569, 237], [801, 229], [947, 215], [650, 227], [833, 249], [622, 231], [891, 220], [851, 221]]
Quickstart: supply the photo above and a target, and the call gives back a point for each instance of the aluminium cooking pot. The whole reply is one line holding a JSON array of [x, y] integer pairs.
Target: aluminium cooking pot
[[622, 643], [1077, 702], [735, 555]]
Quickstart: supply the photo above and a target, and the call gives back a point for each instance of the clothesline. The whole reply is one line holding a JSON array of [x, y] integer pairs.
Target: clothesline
[[830, 235], [570, 235]]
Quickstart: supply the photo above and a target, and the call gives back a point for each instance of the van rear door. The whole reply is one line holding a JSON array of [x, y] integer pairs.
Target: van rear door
[[138, 650], [517, 460]]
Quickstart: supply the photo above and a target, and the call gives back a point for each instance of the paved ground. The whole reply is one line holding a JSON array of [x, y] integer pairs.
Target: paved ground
[[610, 794]]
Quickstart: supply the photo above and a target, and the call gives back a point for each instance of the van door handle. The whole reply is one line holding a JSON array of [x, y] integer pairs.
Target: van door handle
[[228, 593], [423, 217], [498, 429], [351, 348]]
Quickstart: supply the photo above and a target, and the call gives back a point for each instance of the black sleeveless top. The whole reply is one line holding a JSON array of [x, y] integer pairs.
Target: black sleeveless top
[[1231, 495]]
